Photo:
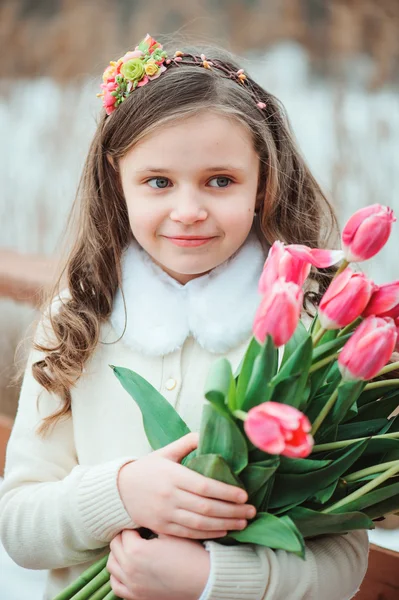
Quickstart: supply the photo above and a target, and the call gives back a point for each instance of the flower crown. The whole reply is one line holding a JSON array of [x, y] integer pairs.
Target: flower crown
[[147, 62]]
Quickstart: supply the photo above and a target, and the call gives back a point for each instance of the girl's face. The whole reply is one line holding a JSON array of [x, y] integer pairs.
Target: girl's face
[[197, 177]]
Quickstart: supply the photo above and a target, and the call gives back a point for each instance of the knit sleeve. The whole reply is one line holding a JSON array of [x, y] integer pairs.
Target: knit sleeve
[[54, 512], [333, 570]]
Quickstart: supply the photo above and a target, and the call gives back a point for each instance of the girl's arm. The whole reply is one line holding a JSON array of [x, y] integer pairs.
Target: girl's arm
[[334, 569], [53, 512]]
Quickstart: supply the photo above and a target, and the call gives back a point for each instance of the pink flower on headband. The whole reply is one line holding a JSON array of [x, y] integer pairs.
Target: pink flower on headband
[[136, 68], [132, 54]]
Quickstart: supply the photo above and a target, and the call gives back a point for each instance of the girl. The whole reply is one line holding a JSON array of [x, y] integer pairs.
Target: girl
[[192, 174]]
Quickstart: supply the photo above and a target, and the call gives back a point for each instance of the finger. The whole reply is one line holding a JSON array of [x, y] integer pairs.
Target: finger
[[176, 530], [210, 488], [117, 549], [114, 568], [213, 508], [119, 589], [196, 521], [177, 450]]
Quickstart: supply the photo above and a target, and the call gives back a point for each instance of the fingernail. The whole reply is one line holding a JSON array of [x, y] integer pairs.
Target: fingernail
[[251, 512], [242, 524]]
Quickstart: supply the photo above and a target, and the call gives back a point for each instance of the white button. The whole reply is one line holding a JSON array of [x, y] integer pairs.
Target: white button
[[170, 384]]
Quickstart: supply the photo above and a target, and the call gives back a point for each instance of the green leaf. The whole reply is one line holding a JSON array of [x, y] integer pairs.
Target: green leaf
[[312, 523], [318, 401], [244, 370], [348, 393], [255, 476], [296, 369], [273, 532], [264, 368], [301, 465], [374, 394], [390, 505], [328, 336], [379, 408], [261, 499], [314, 324], [215, 467], [300, 335], [328, 348], [366, 501], [162, 424], [298, 487], [220, 435], [322, 496], [220, 386], [358, 429]]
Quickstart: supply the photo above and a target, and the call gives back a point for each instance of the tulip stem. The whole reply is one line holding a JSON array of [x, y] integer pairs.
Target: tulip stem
[[322, 363], [356, 475], [350, 327], [240, 414], [377, 384], [83, 579], [364, 489], [317, 337], [102, 592], [341, 268], [389, 367], [344, 443], [324, 411]]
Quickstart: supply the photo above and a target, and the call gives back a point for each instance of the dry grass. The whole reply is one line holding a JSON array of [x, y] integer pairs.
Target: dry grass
[[58, 39]]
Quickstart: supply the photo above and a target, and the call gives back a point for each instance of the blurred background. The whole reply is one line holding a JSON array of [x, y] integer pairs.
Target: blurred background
[[334, 64]]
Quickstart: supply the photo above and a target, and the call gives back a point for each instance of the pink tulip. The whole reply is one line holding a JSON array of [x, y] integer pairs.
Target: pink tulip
[[280, 263], [384, 301], [397, 331], [369, 349], [293, 263], [316, 256], [278, 313], [345, 299], [279, 429], [366, 232]]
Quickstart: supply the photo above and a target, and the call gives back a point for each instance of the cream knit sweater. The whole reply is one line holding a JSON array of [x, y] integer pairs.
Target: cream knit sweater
[[59, 504]]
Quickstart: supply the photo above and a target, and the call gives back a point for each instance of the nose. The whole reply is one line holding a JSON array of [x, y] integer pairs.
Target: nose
[[188, 207]]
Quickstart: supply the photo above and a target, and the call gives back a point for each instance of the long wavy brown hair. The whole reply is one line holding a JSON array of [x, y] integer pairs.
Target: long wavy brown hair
[[292, 207]]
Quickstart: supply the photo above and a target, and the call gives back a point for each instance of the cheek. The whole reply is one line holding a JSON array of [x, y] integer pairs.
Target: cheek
[[144, 217], [235, 218]]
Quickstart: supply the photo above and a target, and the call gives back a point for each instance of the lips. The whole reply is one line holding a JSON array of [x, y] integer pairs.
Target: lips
[[190, 241], [189, 237]]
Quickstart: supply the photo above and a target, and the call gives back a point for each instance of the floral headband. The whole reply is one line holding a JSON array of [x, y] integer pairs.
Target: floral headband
[[147, 62]]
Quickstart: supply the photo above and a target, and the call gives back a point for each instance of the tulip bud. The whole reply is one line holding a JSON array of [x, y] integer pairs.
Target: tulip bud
[[317, 257], [280, 263], [293, 263], [368, 349], [279, 429], [384, 301], [366, 232], [278, 313], [345, 299]]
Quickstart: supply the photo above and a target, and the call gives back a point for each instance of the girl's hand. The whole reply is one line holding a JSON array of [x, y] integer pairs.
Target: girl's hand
[[166, 497], [165, 568]]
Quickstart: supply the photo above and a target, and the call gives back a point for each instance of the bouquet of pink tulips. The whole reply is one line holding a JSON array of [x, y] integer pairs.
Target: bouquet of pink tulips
[[307, 431]]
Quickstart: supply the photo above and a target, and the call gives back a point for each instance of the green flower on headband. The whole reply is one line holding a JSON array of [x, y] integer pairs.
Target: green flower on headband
[[133, 69]]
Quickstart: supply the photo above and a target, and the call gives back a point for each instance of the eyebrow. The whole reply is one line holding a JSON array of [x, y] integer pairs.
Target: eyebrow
[[208, 169]]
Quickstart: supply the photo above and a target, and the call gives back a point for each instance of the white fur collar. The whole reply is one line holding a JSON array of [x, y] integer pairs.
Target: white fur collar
[[217, 309]]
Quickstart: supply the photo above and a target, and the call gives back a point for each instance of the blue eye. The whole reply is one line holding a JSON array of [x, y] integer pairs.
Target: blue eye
[[223, 181], [163, 181]]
